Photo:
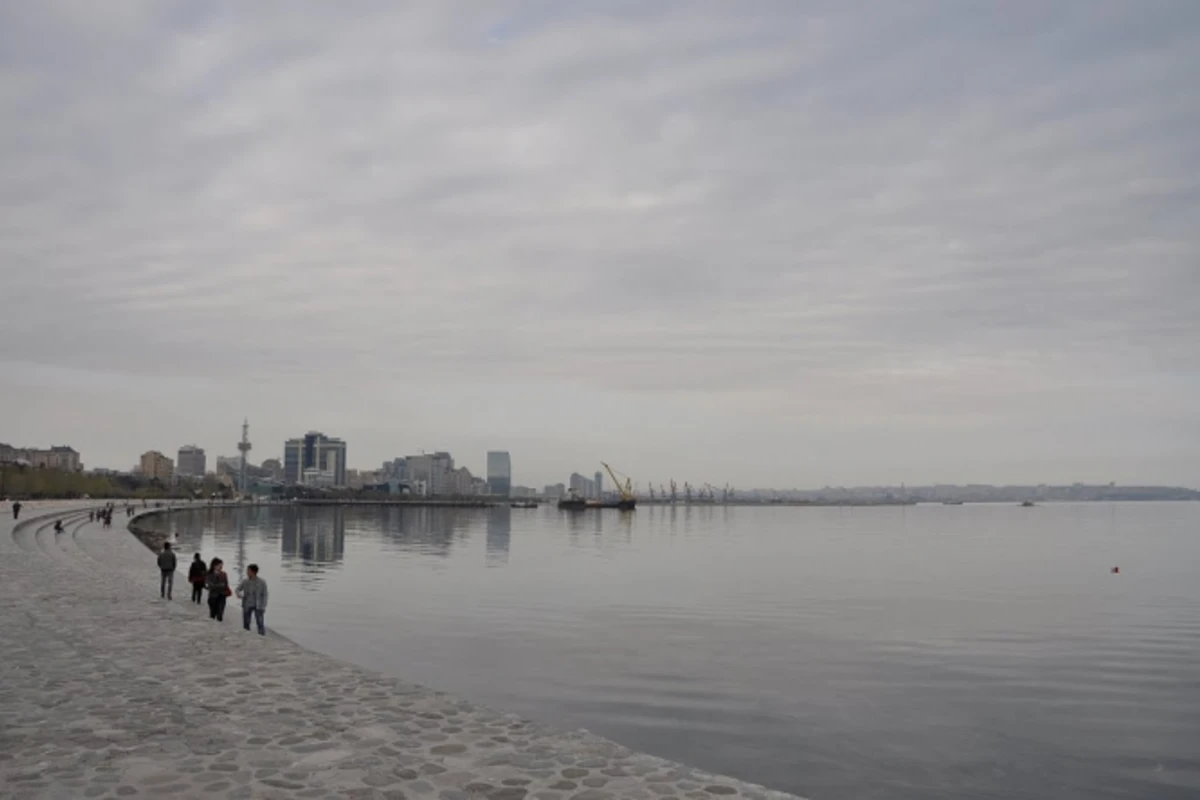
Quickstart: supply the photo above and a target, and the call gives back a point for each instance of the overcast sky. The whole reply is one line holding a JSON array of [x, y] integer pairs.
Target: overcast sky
[[769, 243]]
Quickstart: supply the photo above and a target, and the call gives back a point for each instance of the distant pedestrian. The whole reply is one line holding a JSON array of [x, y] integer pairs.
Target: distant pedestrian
[[16, 508], [58, 526], [253, 591], [166, 564], [218, 589], [197, 574], [91, 516]]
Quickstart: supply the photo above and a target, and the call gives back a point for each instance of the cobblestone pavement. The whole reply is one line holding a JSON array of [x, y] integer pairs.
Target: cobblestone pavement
[[107, 691]]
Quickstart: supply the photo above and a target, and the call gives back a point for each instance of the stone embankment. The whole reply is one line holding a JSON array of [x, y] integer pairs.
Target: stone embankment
[[106, 691]]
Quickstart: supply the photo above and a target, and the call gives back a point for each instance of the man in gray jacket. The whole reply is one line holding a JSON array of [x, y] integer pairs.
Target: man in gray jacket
[[166, 563], [253, 591]]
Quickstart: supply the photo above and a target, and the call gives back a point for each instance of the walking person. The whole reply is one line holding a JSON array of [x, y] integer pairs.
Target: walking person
[[16, 508], [253, 591], [166, 563], [58, 526], [218, 589], [197, 575]]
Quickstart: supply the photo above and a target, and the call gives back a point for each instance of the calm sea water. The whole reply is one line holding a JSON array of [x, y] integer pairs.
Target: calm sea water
[[942, 651]]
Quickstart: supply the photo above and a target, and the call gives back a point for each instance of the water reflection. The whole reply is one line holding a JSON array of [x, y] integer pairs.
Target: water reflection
[[499, 535], [788, 646], [425, 530], [190, 527], [313, 540]]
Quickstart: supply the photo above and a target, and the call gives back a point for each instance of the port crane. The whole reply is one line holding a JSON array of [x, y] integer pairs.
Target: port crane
[[625, 488]]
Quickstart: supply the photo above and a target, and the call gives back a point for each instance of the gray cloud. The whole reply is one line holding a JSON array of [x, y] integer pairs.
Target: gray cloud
[[783, 243]]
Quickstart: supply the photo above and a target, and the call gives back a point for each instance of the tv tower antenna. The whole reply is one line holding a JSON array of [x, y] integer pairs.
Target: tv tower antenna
[[244, 449]]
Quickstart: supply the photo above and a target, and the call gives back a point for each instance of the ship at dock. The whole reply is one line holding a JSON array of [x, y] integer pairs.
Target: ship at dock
[[626, 499]]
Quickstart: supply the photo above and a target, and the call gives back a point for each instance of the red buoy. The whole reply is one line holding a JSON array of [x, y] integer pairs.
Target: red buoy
[[1116, 570]]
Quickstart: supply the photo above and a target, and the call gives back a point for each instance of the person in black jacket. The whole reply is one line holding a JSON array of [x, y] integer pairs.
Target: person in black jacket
[[197, 577], [218, 589], [166, 565]]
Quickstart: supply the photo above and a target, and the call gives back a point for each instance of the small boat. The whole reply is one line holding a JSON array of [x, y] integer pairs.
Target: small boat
[[526, 504], [1027, 504]]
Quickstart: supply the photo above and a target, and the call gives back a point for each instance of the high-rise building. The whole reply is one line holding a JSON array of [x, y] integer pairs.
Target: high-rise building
[[157, 467], [461, 482], [431, 470], [499, 473], [599, 485], [584, 487], [191, 462], [315, 451], [394, 470]]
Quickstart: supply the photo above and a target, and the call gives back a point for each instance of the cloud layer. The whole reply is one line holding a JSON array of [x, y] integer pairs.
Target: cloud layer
[[786, 243]]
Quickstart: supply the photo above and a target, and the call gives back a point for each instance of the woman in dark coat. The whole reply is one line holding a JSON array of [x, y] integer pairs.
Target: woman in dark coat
[[218, 589]]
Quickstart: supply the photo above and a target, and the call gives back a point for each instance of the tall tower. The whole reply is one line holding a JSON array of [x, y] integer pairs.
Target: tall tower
[[244, 449]]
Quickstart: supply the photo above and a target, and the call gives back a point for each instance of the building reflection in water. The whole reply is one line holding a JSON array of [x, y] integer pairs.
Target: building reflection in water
[[499, 535], [313, 540], [424, 529]]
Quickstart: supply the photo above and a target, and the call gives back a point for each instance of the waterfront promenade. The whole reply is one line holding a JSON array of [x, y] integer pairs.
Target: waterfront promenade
[[106, 691]]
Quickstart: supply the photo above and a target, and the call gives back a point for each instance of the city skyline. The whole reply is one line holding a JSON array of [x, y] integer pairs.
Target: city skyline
[[816, 244], [587, 485]]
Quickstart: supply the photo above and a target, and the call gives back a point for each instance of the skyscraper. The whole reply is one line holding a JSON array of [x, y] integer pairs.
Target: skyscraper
[[322, 457], [192, 461], [499, 473], [599, 485]]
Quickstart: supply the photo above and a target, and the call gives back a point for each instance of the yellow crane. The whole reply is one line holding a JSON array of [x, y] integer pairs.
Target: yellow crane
[[624, 489]]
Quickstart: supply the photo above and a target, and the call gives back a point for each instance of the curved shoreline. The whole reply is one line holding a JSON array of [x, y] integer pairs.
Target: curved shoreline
[[107, 691]]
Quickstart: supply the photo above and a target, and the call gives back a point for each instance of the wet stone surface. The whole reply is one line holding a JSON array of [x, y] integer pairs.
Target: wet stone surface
[[106, 691]]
